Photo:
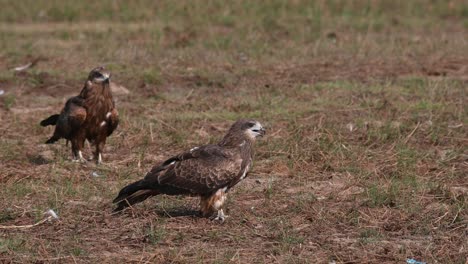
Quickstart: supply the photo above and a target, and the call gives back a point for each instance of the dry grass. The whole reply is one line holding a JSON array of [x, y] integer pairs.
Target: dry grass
[[365, 103]]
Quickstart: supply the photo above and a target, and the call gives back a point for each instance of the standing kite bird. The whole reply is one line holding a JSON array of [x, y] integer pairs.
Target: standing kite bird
[[208, 171], [91, 115]]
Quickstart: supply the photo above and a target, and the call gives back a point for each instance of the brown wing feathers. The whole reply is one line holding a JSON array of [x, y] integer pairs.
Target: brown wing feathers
[[150, 185], [50, 121], [113, 121], [198, 172], [67, 122]]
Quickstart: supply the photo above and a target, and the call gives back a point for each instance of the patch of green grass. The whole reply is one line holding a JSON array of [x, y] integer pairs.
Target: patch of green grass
[[369, 235], [353, 217], [269, 190], [413, 85], [383, 132], [407, 158], [220, 43], [155, 234], [20, 190], [291, 239], [303, 201], [69, 188], [152, 76], [400, 193], [11, 244], [77, 252], [7, 215], [7, 76], [9, 101], [355, 12], [380, 196], [230, 255], [286, 236], [424, 105]]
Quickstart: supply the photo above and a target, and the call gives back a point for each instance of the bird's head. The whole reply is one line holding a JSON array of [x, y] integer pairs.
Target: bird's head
[[99, 75], [243, 129], [252, 128]]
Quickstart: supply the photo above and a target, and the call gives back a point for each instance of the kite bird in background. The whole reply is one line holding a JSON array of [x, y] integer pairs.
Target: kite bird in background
[[91, 115], [208, 171]]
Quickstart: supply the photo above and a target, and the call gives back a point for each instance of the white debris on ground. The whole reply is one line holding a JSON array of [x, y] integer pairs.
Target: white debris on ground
[[52, 214]]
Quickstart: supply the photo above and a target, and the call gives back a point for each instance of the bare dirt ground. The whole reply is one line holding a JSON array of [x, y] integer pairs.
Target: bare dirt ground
[[365, 160]]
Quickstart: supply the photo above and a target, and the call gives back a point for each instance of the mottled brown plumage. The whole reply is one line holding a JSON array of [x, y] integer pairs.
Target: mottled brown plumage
[[208, 171], [89, 116]]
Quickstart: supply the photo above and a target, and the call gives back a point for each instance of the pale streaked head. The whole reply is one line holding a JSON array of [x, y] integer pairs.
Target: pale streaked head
[[99, 75], [242, 130], [255, 129]]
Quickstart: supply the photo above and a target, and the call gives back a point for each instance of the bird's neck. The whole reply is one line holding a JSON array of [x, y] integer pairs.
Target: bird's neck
[[245, 144], [100, 90]]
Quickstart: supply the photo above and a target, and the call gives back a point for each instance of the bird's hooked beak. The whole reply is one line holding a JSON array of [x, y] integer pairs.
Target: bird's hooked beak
[[262, 132], [259, 132]]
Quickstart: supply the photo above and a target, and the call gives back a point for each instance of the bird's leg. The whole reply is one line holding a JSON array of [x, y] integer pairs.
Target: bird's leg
[[76, 149], [212, 206], [78, 157], [99, 161], [205, 208], [92, 156], [218, 201], [99, 148]]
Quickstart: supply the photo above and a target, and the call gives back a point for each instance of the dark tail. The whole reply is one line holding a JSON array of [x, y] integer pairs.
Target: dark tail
[[50, 121], [52, 140], [132, 194]]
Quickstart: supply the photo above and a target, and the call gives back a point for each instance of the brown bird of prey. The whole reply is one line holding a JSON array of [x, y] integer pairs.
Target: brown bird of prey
[[89, 116], [208, 171]]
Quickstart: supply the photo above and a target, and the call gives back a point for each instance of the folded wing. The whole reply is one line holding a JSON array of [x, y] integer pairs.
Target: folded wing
[[200, 171], [69, 121]]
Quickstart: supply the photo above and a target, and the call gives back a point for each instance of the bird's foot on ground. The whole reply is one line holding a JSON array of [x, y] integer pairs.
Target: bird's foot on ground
[[101, 163], [220, 217], [99, 160], [79, 158]]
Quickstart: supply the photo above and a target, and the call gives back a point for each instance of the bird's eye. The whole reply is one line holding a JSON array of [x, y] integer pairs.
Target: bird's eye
[[251, 124]]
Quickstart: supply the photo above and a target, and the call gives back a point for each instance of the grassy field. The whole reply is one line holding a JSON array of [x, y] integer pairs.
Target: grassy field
[[365, 102]]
